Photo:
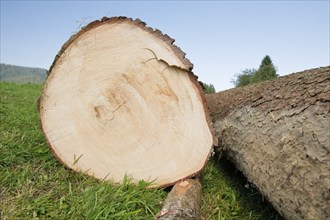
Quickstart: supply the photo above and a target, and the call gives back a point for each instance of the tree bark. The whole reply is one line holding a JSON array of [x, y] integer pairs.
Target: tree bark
[[278, 133], [183, 202], [120, 99]]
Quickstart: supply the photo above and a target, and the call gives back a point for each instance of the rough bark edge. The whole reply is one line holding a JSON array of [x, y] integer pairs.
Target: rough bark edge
[[164, 37], [260, 96], [183, 202], [249, 95], [178, 52]]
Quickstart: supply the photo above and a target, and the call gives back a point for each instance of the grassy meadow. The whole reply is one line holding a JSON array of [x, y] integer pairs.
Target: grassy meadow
[[34, 185]]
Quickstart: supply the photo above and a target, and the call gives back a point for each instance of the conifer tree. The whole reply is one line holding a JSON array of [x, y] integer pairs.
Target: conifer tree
[[266, 71]]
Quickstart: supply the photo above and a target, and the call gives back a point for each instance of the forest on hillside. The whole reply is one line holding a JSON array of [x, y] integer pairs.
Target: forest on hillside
[[20, 74]]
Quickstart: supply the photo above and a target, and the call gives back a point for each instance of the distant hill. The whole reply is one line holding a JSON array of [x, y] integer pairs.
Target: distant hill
[[20, 74]]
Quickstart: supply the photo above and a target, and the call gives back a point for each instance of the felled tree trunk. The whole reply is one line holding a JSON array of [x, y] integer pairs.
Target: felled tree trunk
[[120, 99], [183, 202], [278, 134]]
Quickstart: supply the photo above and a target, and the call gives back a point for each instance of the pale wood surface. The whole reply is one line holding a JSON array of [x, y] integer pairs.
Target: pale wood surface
[[120, 100]]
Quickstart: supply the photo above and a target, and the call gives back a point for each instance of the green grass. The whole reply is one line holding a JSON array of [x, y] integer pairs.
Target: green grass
[[34, 185], [228, 195]]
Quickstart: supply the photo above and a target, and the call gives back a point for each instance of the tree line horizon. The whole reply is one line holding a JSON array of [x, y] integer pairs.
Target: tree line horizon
[[248, 76]]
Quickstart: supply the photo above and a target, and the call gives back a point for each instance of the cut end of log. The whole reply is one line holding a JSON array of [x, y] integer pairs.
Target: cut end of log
[[183, 202], [120, 99]]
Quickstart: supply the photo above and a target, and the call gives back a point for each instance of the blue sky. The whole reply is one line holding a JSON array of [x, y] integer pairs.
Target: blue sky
[[221, 38]]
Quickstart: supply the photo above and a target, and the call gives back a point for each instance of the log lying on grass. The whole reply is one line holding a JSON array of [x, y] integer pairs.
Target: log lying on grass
[[120, 99], [183, 202], [278, 134]]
